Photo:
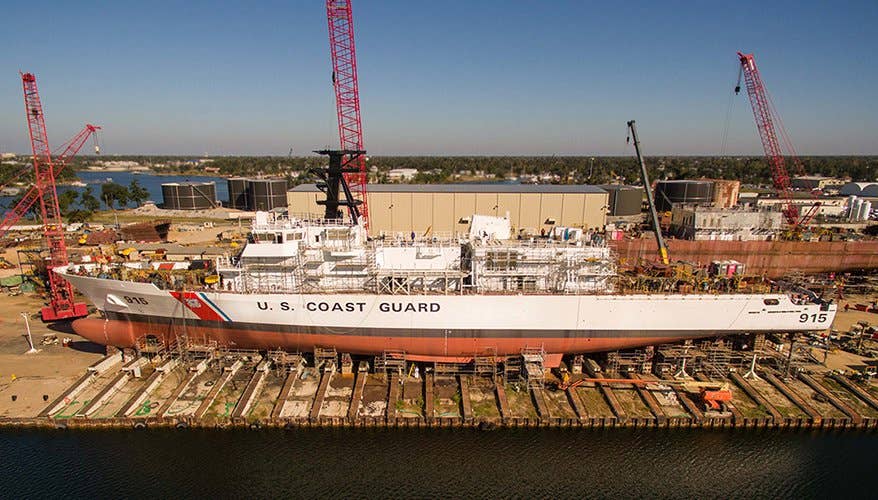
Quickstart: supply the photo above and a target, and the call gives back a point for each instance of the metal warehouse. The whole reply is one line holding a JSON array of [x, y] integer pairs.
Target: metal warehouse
[[447, 208]]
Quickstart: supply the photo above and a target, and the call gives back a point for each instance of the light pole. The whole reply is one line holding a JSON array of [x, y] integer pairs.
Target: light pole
[[30, 339]]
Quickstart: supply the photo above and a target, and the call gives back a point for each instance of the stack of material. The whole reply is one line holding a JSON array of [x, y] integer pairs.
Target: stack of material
[[104, 237], [146, 231]]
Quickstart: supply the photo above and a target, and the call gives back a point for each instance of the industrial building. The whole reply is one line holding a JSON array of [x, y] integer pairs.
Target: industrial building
[[257, 194], [189, 195], [809, 182], [828, 207], [623, 201], [861, 189], [447, 208], [695, 222]]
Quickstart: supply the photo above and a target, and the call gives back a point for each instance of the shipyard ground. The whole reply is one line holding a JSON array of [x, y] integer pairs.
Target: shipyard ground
[[81, 386]]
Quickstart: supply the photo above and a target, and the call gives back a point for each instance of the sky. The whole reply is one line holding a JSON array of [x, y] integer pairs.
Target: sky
[[450, 77]]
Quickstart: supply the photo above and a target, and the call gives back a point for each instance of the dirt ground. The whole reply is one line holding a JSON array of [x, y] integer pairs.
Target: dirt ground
[[49, 372]]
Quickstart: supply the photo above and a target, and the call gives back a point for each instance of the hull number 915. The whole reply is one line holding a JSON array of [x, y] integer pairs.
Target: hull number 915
[[813, 318]]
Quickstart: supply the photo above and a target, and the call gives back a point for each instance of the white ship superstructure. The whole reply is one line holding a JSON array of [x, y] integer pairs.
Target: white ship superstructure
[[301, 284]]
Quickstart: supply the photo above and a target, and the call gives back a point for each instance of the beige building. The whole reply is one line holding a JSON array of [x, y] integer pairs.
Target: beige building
[[447, 208]]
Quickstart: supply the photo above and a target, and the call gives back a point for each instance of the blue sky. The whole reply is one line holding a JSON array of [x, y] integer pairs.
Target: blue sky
[[446, 77]]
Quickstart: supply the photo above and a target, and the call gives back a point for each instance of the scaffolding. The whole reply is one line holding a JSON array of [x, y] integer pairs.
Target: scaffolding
[[534, 370], [633, 361], [390, 361], [325, 358]]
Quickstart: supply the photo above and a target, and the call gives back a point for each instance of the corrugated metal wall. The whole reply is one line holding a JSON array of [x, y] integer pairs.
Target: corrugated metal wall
[[393, 212]]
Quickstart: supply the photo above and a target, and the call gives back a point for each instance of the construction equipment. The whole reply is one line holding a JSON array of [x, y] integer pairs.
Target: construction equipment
[[712, 394], [644, 177], [60, 159], [715, 398], [61, 303], [347, 100], [768, 123]]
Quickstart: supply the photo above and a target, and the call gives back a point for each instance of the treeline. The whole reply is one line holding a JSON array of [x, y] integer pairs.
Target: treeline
[[564, 169], [80, 206]]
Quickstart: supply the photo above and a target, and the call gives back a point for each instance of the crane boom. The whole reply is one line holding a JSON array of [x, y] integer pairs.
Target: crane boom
[[644, 176], [60, 160], [768, 124], [347, 99], [61, 304]]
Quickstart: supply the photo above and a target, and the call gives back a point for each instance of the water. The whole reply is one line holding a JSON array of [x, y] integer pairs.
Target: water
[[437, 463], [152, 183]]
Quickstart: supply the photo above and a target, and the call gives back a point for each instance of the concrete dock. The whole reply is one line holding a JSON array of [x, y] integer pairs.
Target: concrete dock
[[244, 389]]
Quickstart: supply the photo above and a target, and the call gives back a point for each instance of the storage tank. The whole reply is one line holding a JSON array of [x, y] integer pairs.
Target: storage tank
[[268, 194], [189, 195], [852, 207], [682, 191], [865, 208], [239, 193], [623, 200], [725, 193]]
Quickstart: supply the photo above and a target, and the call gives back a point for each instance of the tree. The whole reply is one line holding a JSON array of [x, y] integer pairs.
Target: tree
[[31, 212], [79, 215], [88, 201], [137, 193], [112, 193], [66, 200]]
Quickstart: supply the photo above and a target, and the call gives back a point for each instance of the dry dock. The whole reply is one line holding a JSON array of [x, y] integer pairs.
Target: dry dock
[[81, 385], [234, 389]]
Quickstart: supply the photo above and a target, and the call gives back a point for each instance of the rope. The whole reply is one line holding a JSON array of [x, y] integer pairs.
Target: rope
[[722, 149]]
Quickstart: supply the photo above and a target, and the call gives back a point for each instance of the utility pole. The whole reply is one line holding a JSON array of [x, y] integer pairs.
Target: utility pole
[[30, 339]]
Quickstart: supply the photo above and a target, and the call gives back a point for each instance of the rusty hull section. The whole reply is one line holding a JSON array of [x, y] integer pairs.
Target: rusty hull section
[[771, 258]]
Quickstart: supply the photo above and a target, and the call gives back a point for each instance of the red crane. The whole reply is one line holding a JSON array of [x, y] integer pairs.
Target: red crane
[[61, 303], [60, 159], [347, 95], [769, 123]]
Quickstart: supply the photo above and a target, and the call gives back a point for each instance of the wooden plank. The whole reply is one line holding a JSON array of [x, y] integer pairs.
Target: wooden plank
[[576, 403], [757, 396], [690, 406], [537, 396], [429, 411], [284, 394], [463, 380], [649, 399], [392, 396], [106, 393], [68, 395], [613, 402], [250, 393], [357, 398], [501, 398], [815, 416], [857, 390], [176, 394], [855, 417], [321, 394], [214, 391]]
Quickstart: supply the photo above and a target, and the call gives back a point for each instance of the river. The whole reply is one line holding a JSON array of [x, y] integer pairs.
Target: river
[[152, 183], [343, 463]]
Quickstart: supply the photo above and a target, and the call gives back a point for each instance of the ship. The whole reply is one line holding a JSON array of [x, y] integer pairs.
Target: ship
[[304, 283]]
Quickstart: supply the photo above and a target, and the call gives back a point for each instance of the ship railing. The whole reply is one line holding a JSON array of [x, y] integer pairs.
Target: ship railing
[[538, 242], [436, 239]]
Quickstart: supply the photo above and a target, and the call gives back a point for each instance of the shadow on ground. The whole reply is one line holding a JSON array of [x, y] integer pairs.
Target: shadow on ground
[[64, 328], [87, 346]]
